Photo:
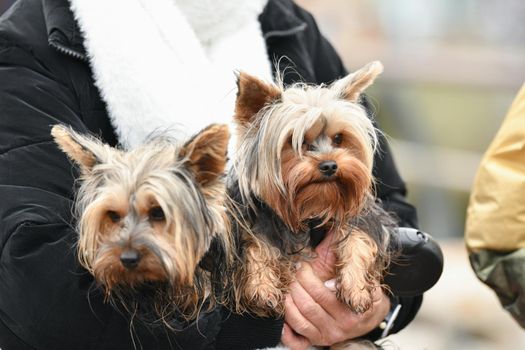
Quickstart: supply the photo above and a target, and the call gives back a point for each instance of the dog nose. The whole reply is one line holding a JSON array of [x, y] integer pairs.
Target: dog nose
[[130, 258], [328, 167]]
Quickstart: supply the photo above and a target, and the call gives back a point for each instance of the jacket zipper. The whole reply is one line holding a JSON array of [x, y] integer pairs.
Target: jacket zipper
[[67, 51]]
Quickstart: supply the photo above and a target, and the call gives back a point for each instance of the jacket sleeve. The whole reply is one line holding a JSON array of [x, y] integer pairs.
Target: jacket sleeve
[[390, 188], [495, 227], [37, 256], [46, 299]]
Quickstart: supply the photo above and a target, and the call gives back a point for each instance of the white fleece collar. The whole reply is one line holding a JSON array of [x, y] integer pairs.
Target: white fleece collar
[[152, 69], [212, 19]]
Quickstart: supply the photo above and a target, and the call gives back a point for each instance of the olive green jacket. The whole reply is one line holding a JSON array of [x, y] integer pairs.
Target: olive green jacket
[[495, 227]]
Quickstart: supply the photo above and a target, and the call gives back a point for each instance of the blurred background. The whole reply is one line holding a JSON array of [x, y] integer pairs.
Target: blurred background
[[4, 4], [452, 68]]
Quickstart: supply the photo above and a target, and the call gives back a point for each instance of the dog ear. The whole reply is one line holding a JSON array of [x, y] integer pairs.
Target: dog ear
[[351, 86], [83, 150], [206, 152], [252, 95]]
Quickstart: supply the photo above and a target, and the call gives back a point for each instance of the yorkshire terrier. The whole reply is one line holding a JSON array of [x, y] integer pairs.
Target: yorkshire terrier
[[149, 217], [304, 166]]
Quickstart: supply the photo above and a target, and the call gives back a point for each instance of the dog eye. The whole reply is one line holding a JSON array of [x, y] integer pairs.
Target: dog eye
[[113, 216], [308, 146], [338, 139], [156, 214]]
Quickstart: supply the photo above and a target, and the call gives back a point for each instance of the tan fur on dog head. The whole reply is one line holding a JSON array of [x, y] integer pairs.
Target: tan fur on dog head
[[150, 214], [286, 133]]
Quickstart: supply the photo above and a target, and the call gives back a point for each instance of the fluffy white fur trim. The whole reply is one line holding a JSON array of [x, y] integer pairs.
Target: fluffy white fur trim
[[154, 72]]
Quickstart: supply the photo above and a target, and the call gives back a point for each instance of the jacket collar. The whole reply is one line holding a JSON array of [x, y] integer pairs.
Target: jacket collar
[[277, 20], [62, 30]]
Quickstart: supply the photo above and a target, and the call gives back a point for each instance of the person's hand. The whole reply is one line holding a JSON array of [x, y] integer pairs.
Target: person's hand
[[314, 316]]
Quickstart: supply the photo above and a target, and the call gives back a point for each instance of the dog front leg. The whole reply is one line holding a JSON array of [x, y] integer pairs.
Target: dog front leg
[[356, 275], [261, 279]]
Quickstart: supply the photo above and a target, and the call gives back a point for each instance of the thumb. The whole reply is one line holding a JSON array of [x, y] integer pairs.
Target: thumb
[[325, 260]]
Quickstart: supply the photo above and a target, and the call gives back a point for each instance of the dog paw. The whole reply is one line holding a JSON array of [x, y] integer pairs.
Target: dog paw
[[358, 297], [267, 300]]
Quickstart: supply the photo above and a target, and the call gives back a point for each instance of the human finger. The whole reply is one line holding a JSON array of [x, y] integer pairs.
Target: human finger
[[296, 320], [292, 340]]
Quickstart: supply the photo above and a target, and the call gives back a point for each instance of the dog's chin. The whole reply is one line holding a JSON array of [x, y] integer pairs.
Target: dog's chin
[[317, 184], [115, 276], [330, 200], [132, 281], [323, 199], [150, 302]]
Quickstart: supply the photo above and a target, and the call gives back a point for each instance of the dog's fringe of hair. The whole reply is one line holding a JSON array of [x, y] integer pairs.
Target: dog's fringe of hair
[[258, 159], [257, 172], [171, 303]]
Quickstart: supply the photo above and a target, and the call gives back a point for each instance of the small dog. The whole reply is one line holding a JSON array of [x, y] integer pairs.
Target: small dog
[[304, 165], [149, 218]]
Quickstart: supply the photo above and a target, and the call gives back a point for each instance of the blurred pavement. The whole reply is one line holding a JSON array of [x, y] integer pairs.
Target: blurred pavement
[[460, 313]]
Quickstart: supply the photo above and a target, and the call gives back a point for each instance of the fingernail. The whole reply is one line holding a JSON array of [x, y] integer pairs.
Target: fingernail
[[330, 284], [297, 265]]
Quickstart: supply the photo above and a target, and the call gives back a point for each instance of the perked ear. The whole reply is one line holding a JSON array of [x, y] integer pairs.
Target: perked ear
[[206, 153], [252, 95], [85, 151], [352, 86]]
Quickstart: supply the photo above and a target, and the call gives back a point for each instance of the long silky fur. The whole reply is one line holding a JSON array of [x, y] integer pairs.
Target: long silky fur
[[258, 219], [255, 216], [380, 226], [257, 178], [258, 157], [192, 283]]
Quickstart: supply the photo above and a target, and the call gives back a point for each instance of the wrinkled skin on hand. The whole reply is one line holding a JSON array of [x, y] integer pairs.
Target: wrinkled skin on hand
[[313, 314]]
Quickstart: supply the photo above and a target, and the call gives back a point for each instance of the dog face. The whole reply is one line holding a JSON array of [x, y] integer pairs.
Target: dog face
[[306, 151], [148, 215]]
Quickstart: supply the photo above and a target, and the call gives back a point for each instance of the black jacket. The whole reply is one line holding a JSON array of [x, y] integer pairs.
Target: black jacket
[[46, 298]]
